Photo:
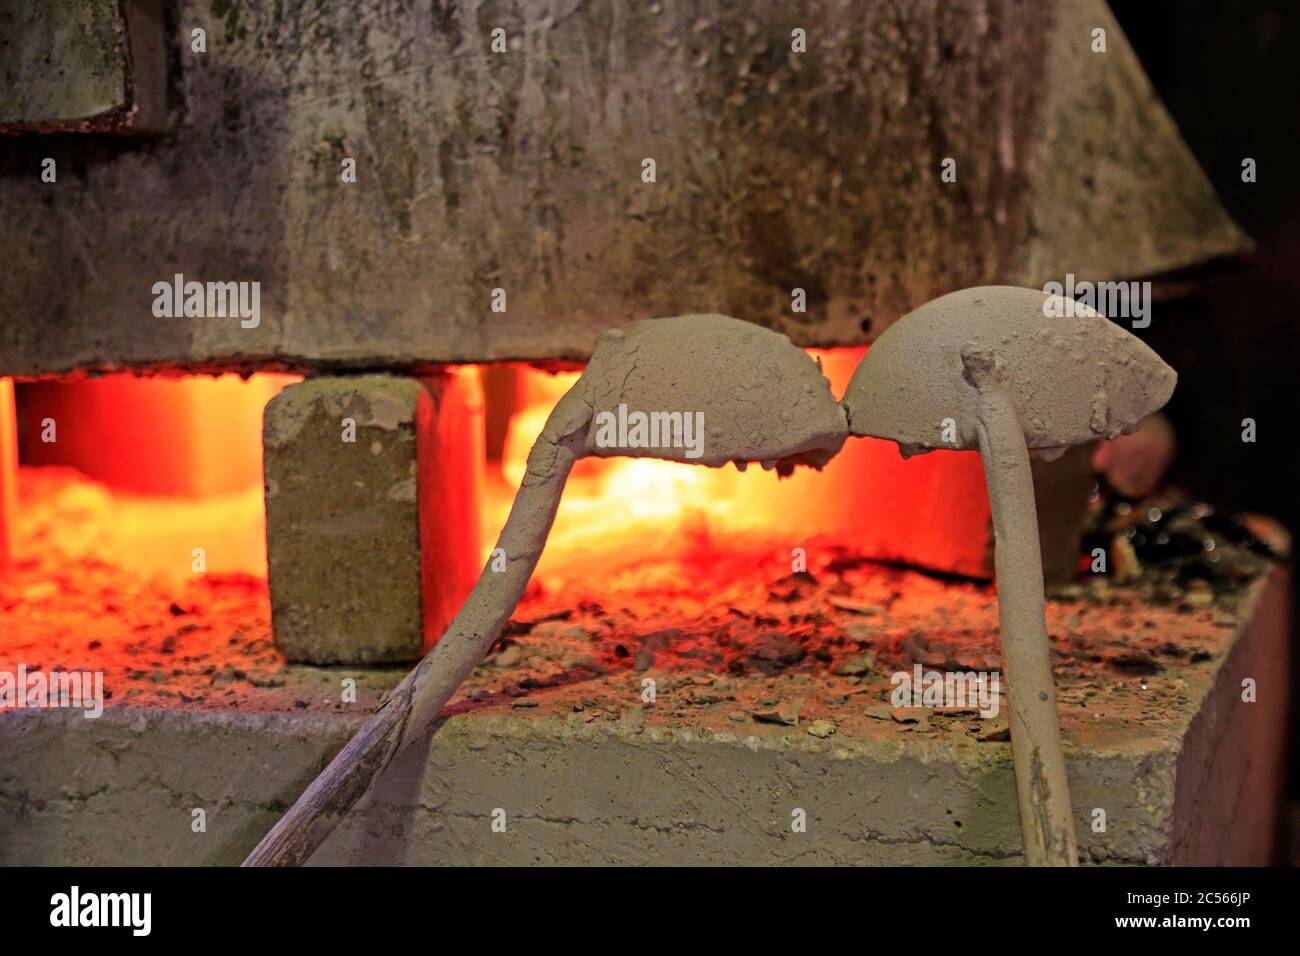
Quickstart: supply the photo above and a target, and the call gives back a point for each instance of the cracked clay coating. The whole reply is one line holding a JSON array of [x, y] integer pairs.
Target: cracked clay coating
[[762, 398], [1072, 378]]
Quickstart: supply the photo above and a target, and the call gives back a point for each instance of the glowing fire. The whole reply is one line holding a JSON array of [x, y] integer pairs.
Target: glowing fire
[[621, 510], [175, 464]]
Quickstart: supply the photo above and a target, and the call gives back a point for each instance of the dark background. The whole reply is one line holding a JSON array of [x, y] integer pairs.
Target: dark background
[[1229, 72]]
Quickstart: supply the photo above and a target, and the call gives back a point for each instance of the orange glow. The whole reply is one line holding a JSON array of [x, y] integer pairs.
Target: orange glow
[[931, 509], [8, 470], [150, 535], [192, 437], [451, 458], [176, 464]]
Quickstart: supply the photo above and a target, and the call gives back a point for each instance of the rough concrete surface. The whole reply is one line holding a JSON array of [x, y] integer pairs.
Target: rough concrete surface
[[522, 171], [1104, 139]]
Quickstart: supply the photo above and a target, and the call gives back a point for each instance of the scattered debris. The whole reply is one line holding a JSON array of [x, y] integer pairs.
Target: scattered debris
[[773, 651], [855, 607], [511, 655], [821, 728], [856, 665], [1170, 542], [994, 729], [227, 624], [787, 713], [632, 721]]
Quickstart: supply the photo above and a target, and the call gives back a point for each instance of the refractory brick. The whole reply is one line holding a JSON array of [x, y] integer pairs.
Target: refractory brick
[[345, 485]]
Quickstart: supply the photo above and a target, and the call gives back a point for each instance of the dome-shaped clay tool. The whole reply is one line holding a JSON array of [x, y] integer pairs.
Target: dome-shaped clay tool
[[700, 388], [1005, 370]]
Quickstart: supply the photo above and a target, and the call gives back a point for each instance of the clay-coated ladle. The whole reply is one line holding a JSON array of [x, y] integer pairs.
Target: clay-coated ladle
[[986, 368], [762, 400]]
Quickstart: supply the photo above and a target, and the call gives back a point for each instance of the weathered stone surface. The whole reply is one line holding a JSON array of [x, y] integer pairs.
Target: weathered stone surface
[[1182, 790], [82, 65], [344, 518], [1116, 193], [522, 171]]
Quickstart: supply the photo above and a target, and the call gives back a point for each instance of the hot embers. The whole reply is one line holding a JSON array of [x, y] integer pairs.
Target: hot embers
[[730, 635]]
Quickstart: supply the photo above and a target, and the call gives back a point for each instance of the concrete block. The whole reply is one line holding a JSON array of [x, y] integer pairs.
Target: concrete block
[[521, 170], [358, 471]]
